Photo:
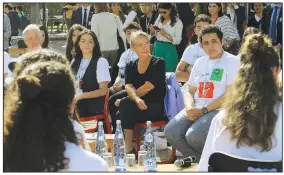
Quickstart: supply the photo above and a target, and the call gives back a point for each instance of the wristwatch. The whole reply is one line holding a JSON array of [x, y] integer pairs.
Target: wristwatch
[[205, 110]]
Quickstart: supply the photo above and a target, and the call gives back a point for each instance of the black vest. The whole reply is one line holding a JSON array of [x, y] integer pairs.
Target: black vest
[[92, 106]]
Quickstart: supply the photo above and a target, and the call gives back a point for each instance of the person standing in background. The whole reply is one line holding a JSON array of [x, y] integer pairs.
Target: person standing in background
[[14, 20], [134, 15], [168, 30], [107, 26], [83, 15], [23, 19], [186, 16], [67, 13], [7, 32], [254, 21], [115, 9]]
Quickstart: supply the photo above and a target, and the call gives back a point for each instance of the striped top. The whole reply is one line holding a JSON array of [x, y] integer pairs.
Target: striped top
[[228, 28]]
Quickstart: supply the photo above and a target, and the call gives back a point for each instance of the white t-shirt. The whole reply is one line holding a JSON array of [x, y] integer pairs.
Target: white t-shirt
[[80, 134], [82, 160], [7, 60], [175, 31], [217, 81], [125, 58], [105, 25], [218, 141], [102, 69], [192, 53]]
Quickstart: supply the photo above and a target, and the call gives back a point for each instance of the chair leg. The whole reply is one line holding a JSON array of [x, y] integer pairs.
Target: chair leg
[[107, 123], [137, 137]]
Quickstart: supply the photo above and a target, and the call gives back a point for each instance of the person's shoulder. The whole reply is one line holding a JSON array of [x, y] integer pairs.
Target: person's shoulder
[[102, 61], [83, 160], [77, 9], [230, 57]]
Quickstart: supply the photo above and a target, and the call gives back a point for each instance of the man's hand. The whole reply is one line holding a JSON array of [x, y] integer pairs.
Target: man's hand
[[193, 113], [141, 104]]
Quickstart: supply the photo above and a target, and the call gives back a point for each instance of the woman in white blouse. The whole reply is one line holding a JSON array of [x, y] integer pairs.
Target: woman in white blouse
[[250, 126], [106, 26], [231, 36], [168, 30]]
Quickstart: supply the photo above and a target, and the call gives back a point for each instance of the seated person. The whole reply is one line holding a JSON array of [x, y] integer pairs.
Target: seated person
[[117, 91], [45, 56], [209, 80], [145, 87], [250, 125], [192, 52], [92, 75], [38, 133]]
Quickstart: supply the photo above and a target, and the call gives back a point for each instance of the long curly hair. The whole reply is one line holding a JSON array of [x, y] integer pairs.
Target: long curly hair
[[250, 101], [36, 119], [69, 53], [173, 12]]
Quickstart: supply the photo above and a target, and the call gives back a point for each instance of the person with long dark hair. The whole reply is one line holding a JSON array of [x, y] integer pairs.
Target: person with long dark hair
[[71, 38], [168, 31], [250, 125], [92, 75], [116, 9], [231, 37], [44, 37], [38, 133], [45, 56]]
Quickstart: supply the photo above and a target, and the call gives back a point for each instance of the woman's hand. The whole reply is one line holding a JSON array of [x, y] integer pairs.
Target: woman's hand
[[163, 32], [117, 87], [78, 97], [141, 104], [152, 30], [117, 102]]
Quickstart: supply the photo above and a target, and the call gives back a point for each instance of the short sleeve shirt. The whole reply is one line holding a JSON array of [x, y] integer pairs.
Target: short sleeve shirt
[[192, 53]]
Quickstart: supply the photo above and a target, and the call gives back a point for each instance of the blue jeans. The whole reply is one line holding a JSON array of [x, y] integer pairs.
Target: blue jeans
[[188, 136]]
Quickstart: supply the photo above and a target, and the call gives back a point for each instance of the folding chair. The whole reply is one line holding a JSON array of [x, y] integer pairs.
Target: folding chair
[[85, 121], [221, 162]]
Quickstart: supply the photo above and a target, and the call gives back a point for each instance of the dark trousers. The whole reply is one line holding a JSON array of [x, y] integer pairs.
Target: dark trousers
[[130, 113], [112, 108]]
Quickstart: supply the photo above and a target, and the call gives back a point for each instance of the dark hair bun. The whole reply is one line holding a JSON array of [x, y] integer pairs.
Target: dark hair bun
[[257, 43], [29, 86]]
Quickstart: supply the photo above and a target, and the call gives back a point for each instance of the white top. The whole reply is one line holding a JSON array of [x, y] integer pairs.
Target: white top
[[80, 134], [82, 160], [219, 74], [102, 69], [233, 15], [83, 11], [130, 17], [257, 18], [218, 141], [125, 58], [7, 60], [175, 31], [105, 25], [192, 53]]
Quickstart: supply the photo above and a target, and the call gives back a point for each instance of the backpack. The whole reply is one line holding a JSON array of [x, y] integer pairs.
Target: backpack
[[23, 22]]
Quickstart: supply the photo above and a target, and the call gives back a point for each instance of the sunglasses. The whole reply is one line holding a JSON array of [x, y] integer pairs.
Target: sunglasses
[[162, 12]]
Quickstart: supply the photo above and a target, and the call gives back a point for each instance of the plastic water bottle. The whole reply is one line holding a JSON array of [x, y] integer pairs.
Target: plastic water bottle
[[101, 144], [119, 149], [150, 164]]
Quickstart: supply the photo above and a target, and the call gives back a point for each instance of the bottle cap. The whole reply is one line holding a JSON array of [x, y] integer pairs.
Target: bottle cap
[[100, 123], [148, 122], [118, 121]]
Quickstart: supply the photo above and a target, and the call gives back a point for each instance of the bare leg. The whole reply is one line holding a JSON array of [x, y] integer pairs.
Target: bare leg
[[128, 134]]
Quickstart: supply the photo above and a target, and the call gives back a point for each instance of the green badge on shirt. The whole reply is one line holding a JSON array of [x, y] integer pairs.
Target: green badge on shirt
[[217, 74]]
